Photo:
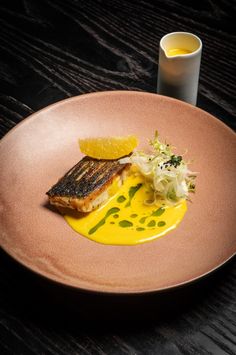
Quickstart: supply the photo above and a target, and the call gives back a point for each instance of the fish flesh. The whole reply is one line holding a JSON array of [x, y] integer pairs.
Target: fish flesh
[[88, 184]]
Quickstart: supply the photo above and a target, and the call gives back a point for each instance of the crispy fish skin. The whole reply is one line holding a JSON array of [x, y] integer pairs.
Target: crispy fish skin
[[85, 186]]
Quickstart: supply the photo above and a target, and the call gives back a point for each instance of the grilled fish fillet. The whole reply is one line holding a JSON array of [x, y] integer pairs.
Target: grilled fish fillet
[[86, 186]]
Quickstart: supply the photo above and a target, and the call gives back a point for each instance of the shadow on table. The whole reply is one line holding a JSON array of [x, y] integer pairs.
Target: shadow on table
[[29, 296]]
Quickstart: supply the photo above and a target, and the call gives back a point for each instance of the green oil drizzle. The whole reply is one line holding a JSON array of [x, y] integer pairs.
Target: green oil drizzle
[[125, 224], [139, 229], [133, 215], [116, 216], [132, 192], [103, 220], [142, 220], [152, 223], [158, 212], [161, 224], [121, 199]]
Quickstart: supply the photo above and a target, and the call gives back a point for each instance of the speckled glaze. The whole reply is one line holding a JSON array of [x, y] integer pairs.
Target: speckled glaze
[[43, 147]]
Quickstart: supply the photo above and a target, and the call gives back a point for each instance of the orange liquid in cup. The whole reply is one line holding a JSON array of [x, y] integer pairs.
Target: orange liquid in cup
[[177, 51]]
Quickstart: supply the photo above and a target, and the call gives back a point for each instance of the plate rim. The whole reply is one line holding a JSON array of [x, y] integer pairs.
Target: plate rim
[[113, 92], [93, 289]]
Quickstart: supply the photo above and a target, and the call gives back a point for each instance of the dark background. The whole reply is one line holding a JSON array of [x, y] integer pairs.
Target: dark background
[[51, 50]]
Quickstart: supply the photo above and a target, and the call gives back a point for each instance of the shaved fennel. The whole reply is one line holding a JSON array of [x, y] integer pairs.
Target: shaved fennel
[[167, 173]]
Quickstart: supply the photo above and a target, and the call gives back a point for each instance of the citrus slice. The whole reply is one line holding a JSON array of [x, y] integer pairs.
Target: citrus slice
[[108, 147]]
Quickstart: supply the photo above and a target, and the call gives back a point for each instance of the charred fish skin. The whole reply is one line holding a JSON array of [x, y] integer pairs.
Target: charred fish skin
[[82, 186], [85, 177]]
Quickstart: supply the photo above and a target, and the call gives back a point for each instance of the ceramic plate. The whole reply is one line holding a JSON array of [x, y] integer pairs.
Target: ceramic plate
[[43, 147]]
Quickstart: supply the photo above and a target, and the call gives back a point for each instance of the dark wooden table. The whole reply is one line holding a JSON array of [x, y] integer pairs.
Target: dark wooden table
[[54, 49]]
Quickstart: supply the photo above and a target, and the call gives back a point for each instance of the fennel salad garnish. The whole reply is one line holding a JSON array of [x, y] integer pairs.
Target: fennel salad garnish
[[168, 174]]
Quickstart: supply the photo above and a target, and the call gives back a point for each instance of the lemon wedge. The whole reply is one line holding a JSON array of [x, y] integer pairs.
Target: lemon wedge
[[108, 147]]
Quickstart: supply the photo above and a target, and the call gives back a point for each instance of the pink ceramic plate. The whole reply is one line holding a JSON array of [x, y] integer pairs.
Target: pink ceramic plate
[[43, 147]]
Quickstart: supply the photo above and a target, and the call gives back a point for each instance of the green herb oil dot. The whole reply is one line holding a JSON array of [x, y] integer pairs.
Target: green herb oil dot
[[103, 220], [116, 216], [152, 223], [142, 220], [125, 224], [139, 229], [121, 199], [158, 212], [132, 192], [134, 215], [161, 224], [112, 211]]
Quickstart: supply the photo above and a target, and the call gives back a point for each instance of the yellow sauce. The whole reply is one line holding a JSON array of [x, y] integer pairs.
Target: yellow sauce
[[177, 51], [125, 219]]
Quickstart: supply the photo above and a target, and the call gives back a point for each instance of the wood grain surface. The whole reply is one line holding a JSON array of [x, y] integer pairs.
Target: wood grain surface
[[54, 49]]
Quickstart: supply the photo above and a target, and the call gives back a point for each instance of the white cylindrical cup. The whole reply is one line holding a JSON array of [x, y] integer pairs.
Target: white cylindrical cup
[[178, 74]]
